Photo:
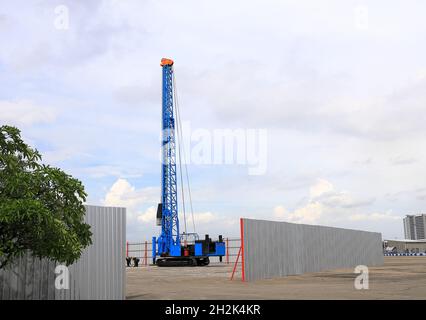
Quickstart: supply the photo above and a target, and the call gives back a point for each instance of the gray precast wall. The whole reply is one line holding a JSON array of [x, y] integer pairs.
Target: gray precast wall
[[277, 249], [98, 274]]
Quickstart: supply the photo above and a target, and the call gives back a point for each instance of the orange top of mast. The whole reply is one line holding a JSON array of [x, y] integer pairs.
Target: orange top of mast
[[166, 62]]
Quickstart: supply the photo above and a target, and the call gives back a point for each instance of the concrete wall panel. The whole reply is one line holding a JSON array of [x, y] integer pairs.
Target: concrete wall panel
[[277, 249]]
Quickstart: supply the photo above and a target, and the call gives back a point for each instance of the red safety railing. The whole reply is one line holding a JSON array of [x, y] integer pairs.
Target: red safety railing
[[227, 250], [240, 253], [146, 253], [242, 250], [143, 251], [235, 265]]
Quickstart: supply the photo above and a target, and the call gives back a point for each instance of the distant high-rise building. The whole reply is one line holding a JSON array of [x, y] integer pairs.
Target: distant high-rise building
[[414, 227]]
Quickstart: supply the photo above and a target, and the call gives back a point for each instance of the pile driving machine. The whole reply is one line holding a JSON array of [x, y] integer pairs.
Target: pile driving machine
[[172, 248]]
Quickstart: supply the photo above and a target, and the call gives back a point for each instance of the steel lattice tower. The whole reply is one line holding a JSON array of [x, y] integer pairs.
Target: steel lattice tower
[[170, 220]]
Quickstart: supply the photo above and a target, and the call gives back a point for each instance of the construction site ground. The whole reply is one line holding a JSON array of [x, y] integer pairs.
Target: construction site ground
[[398, 278]]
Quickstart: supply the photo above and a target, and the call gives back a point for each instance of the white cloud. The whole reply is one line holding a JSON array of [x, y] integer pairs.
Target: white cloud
[[402, 160], [204, 217], [376, 216], [62, 154], [141, 221], [320, 187], [280, 212], [326, 205], [118, 193], [109, 170], [343, 199], [212, 223], [25, 112], [311, 213], [123, 194], [325, 192], [148, 216]]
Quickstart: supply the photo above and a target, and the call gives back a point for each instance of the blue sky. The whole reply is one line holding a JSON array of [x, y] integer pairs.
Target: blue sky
[[338, 86]]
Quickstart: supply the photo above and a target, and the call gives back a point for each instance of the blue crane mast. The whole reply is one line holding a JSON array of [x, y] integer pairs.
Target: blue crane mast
[[169, 244], [169, 239]]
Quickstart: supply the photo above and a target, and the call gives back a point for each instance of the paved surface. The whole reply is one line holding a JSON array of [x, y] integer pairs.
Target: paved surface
[[399, 278]]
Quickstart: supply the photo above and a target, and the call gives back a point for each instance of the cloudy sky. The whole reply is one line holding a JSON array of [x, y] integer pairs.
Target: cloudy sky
[[338, 86]]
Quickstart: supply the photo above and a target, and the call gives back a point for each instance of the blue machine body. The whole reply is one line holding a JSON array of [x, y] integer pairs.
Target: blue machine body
[[198, 249], [219, 250]]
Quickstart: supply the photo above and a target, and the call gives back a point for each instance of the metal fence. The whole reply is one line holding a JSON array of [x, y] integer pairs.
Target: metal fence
[[100, 271], [405, 254], [98, 274], [29, 278], [143, 251], [289, 248]]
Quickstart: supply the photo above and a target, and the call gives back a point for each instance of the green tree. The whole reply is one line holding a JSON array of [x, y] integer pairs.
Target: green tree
[[41, 207]]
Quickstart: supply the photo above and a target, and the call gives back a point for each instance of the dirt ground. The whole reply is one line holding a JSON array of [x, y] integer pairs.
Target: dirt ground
[[398, 278]]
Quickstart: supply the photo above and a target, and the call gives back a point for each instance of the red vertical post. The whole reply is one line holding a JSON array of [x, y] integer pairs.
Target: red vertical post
[[146, 253], [227, 251], [235, 264], [243, 276], [127, 248]]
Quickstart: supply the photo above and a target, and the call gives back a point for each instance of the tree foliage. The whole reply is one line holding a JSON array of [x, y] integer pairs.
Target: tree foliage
[[41, 207]]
